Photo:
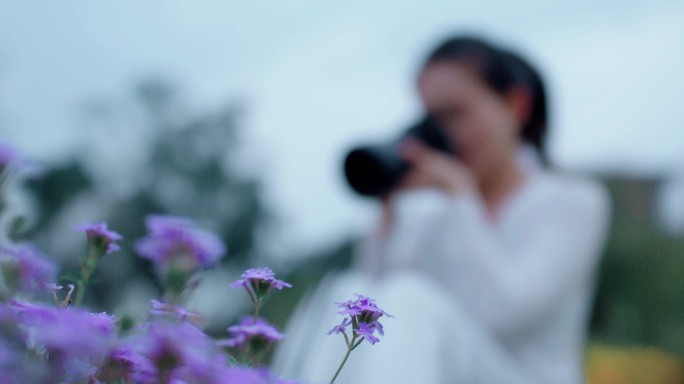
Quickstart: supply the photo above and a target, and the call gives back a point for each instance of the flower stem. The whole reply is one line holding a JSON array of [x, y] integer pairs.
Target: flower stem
[[80, 292], [356, 345], [346, 356], [87, 269], [257, 304]]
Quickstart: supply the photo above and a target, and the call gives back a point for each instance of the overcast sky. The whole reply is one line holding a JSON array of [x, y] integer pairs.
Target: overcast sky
[[333, 73]]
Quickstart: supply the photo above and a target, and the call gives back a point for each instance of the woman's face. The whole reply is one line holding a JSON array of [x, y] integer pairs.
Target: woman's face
[[481, 124]]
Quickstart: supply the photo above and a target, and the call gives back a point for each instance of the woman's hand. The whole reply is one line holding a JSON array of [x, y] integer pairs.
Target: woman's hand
[[431, 168]]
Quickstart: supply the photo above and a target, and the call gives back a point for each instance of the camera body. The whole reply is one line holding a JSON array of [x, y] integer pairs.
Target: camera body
[[374, 170]]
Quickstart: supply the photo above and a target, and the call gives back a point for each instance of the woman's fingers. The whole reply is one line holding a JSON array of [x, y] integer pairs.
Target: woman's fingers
[[416, 179], [431, 168], [413, 150]]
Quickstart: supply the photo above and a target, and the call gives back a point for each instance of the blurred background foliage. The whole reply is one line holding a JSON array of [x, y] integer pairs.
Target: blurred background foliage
[[640, 298], [192, 169]]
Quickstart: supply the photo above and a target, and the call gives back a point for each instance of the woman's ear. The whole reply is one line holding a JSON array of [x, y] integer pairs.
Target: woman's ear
[[520, 101]]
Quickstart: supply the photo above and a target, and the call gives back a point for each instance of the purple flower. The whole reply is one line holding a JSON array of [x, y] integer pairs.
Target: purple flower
[[102, 322], [341, 327], [25, 268], [259, 281], [179, 350], [364, 308], [67, 330], [366, 331], [363, 317], [260, 334], [183, 354], [75, 341], [125, 364], [101, 236], [176, 240]]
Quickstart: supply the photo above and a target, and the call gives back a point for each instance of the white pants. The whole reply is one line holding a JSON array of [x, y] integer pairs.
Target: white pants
[[430, 340]]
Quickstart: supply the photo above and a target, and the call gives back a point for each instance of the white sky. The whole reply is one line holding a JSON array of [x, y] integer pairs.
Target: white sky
[[321, 75]]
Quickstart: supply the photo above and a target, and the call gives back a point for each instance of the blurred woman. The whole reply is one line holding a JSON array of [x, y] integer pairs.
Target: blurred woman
[[487, 259]]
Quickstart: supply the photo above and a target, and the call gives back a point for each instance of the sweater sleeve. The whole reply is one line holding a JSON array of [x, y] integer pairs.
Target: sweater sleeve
[[507, 286]]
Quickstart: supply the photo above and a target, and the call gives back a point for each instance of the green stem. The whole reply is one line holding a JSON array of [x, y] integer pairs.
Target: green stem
[[346, 356], [251, 296], [356, 345], [80, 292], [82, 283], [87, 269], [257, 304]]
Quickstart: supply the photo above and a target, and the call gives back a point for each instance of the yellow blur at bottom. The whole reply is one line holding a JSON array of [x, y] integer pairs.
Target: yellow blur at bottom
[[632, 365]]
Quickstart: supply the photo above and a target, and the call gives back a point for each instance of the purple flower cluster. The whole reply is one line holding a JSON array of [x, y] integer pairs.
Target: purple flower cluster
[[24, 268], [66, 330], [363, 315], [180, 353], [67, 344], [64, 343], [259, 334], [74, 341], [259, 282], [101, 236], [176, 240]]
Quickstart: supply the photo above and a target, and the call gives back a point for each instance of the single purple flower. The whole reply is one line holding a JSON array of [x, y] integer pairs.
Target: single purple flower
[[101, 236], [363, 315], [176, 240], [259, 282], [364, 307], [102, 322], [125, 364], [179, 351], [258, 335]]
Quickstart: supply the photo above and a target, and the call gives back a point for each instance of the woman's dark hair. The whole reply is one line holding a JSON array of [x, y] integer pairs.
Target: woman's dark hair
[[502, 70]]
